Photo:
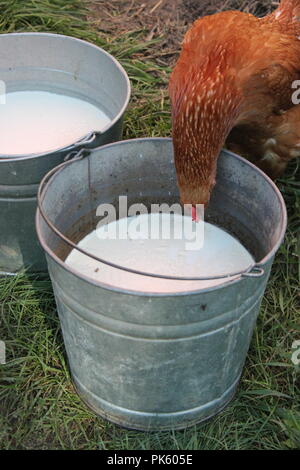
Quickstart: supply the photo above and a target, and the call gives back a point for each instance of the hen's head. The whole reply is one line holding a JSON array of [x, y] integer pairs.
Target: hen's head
[[205, 104]]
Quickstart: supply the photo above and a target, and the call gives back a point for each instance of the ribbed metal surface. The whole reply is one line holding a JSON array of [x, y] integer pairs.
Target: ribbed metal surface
[[154, 361], [49, 62]]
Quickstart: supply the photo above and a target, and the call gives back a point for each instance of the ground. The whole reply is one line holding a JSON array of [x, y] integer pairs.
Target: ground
[[163, 19], [39, 408]]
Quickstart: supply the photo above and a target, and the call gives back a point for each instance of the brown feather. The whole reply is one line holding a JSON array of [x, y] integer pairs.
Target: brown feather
[[234, 77]]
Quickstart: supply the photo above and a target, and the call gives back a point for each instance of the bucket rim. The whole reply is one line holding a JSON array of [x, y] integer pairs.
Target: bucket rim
[[227, 281], [277, 192], [15, 158]]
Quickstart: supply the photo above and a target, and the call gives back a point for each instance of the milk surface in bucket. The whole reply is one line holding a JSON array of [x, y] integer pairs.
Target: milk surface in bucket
[[41, 121], [221, 254]]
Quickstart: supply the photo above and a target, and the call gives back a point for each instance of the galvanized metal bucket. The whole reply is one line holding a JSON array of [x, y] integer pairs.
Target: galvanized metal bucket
[[156, 361], [49, 62]]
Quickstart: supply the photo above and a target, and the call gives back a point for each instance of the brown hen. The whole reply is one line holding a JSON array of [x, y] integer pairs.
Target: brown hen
[[234, 80]]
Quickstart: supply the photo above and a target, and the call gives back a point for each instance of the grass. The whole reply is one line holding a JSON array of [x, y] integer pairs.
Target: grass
[[38, 406]]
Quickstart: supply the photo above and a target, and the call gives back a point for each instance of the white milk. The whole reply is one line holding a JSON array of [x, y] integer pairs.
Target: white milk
[[40, 121], [220, 254]]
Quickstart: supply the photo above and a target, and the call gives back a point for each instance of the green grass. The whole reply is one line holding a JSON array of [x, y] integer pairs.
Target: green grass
[[38, 406]]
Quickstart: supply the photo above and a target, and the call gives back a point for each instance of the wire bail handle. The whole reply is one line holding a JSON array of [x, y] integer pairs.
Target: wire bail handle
[[252, 272], [73, 155]]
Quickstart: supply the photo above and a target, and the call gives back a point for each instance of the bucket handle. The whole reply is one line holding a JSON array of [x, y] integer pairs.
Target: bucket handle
[[77, 152], [253, 272], [71, 157], [86, 140]]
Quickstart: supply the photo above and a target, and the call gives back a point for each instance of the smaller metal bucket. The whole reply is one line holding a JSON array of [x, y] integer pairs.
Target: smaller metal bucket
[[50, 62], [145, 360]]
